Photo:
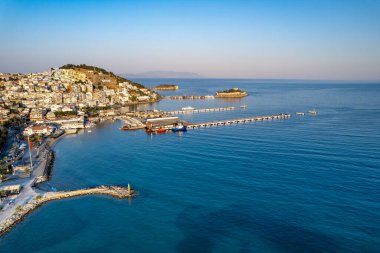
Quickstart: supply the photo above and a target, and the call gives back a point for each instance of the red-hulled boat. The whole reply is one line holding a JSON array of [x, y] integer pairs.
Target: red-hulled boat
[[161, 130]]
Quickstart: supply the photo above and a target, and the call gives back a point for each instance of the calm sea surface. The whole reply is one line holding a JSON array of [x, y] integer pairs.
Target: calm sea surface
[[306, 184]]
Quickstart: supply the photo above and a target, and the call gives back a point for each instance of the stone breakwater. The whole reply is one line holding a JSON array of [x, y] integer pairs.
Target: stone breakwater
[[20, 213]]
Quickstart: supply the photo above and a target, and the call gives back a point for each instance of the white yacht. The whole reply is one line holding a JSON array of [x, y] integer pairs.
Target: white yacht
[[188, 108]]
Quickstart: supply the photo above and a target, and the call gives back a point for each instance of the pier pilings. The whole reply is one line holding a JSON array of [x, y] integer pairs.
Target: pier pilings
[[238, 121]]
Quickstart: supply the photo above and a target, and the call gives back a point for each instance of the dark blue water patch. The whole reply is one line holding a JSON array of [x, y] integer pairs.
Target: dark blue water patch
[[206, 230]]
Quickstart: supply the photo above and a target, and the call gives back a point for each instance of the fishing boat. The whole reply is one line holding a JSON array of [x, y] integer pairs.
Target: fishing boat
[[300, 113], [313, 112], [179, 128]]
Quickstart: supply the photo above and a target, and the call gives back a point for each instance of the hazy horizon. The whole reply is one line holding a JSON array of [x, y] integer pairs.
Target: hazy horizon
[[307, 40]]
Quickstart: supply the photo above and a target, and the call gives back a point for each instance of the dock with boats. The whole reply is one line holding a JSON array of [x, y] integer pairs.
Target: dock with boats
[[174, 124], [169, 122]]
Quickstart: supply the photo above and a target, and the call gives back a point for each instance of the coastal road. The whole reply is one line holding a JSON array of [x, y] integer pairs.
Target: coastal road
[[28, 192]]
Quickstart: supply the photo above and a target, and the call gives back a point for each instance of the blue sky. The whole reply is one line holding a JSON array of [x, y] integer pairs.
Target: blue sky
[[309, 39]]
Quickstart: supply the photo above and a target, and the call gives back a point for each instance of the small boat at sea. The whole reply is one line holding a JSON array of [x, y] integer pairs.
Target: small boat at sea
[[188, 108], [179, 128], [313, 112], [243, 106], [89, 131], [300, 113]]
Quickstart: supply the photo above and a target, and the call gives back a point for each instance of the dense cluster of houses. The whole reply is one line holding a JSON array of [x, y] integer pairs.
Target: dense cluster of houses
[[40, 97]]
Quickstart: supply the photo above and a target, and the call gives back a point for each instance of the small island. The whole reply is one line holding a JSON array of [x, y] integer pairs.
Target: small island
[[231, 93], [167, 87]]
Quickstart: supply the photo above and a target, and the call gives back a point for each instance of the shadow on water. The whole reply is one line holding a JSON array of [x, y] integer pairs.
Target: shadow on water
[[204, 231]]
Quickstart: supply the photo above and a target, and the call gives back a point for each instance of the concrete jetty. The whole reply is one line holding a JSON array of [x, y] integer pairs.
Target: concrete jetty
[[22, 211], [48, 160], [237, 121], [132, 123], [230, 108]]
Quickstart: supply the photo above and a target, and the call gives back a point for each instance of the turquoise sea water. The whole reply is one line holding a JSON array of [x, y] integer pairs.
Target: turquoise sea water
[[306, 184]]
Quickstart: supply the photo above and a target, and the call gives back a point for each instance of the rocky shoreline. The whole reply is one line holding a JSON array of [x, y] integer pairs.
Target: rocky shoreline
[[19, 215]]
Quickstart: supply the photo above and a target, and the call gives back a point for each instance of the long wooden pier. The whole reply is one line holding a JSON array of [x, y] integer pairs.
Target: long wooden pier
[[238, 121], [230, 108]]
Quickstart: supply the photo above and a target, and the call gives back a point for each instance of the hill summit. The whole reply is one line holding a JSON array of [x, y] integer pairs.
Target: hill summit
[[101, 77]]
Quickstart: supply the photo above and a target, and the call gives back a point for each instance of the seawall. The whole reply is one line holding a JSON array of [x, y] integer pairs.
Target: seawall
[[19, 215]]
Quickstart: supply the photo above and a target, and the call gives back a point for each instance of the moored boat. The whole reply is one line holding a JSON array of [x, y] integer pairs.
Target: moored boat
[[156, 130], [179, 128], [161, 130], [188, 108]]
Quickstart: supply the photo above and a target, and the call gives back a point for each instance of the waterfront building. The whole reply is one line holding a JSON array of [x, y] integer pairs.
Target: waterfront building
[[11, 189], [161, 122], [39, 129]]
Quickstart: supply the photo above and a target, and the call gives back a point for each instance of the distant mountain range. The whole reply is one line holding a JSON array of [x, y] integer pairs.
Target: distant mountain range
[[163, 74]]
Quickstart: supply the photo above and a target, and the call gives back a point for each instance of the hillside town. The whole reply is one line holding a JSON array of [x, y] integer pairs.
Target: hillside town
[[65, 96], [57, 91], [48, 104]]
